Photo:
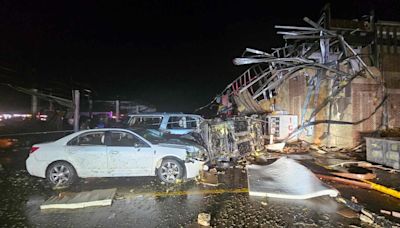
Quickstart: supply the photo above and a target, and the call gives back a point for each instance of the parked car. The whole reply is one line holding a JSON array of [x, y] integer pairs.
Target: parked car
[[110, 152], [172, 123]]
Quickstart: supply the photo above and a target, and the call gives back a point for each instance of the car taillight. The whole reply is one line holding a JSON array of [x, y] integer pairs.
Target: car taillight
[[33, 149]]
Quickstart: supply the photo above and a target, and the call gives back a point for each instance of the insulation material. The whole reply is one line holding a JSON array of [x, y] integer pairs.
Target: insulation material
[[72, 200], [285, 178]]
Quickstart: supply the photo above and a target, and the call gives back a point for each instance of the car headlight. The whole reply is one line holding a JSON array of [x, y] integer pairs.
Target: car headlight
[[191, 155], [190, 149]]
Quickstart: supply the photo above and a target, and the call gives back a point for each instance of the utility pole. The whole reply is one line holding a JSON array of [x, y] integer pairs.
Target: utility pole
[[34, 104], [117, 110], [76, 99], [90, 107]]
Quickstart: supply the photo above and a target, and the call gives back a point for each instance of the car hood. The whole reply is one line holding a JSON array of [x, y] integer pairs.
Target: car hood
[[189, 147], [173, 145]]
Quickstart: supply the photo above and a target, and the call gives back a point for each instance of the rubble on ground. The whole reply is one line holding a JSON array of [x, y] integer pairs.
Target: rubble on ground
[[203, 219]]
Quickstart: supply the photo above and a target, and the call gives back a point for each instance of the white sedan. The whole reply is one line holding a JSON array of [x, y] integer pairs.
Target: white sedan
[[110, 152]]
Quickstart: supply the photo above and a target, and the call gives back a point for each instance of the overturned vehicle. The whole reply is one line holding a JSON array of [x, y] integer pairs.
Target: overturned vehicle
[[233, 138]]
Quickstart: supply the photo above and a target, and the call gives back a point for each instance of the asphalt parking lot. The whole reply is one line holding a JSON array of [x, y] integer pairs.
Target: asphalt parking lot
[[145, 202]]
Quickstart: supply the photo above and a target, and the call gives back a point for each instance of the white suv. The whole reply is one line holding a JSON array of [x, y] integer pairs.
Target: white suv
[[172, 123]]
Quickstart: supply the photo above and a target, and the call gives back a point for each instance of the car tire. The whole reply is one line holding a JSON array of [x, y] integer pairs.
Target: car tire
[[170, 171], [61, 174]]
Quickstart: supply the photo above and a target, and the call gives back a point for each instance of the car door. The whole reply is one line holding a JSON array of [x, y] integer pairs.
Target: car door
[[88, 154], [129, 155]]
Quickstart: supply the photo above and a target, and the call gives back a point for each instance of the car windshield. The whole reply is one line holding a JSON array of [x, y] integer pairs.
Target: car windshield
[[151, 135]]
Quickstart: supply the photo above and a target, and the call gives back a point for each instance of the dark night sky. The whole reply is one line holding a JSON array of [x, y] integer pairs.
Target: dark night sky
[[176, 55]]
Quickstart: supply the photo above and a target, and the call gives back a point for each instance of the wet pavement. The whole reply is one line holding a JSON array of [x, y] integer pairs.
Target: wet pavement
[[145, 202]]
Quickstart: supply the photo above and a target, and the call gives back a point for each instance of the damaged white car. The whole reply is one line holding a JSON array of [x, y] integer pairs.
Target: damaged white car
[[110, 153]]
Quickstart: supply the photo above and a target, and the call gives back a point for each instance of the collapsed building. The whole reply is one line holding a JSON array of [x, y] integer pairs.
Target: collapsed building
[[338, 77]]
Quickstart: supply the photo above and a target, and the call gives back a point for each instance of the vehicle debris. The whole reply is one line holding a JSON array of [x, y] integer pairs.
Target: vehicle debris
[[231, 139]]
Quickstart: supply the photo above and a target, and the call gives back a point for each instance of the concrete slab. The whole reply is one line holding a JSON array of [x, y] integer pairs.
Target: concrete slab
[[72, 200], [285, 178]]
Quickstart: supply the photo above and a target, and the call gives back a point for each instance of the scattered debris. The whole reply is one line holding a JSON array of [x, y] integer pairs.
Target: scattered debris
[[277, 147], [285, 178], [209, 177], [366, 219], [297, 147], [354, 199], [315, 147], [385, 212], [347, 213], [70, 200], [367, 216], [344, 181], [264, 203], [204, 219], [359, 163], [369, 165], [356, 176]]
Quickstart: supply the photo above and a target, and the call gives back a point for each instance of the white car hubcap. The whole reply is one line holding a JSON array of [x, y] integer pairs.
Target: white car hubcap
[[59, 174], [170, 171]]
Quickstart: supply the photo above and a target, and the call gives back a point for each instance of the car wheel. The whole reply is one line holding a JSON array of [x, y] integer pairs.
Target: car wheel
[[61, 174], [170, 171]]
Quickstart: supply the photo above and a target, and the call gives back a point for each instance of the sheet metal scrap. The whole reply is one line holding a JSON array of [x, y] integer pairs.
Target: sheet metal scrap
[[285, 178], [319, 49], [230, 139]]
